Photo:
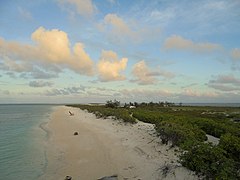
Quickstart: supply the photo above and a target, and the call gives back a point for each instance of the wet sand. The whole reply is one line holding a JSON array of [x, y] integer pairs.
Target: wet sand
[[105, 147]]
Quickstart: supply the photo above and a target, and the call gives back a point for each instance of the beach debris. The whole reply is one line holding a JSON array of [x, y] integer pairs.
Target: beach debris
[[139, 151], [168, 169], [75, 133], [68, 178], [236, 120], [165, 170], [71, 114], [113, 177]]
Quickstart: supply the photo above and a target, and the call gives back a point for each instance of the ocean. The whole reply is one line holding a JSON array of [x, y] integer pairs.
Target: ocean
[[22, 141], [213, 104]]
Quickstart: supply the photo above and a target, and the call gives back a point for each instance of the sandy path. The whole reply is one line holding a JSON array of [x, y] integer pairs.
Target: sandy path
[[105, 147]]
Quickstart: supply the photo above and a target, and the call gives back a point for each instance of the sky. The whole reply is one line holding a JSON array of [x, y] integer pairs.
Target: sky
[[81, 51]]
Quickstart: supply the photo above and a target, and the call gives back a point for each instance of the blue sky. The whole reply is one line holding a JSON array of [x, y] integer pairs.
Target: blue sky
[[78, 51]]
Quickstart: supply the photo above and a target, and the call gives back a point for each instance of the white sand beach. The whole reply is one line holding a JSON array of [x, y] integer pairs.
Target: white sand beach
[[105, 147]]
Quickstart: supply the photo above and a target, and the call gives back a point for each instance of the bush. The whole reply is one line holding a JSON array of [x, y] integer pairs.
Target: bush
[[146, 116], [179, 134], [210, 161], [231, 144]]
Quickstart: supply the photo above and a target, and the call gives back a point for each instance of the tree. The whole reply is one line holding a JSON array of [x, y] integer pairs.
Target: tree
[[161, 103], [135, 104], [113, 104]]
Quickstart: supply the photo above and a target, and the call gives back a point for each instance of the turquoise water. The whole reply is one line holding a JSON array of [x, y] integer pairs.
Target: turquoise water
[[22, 141]]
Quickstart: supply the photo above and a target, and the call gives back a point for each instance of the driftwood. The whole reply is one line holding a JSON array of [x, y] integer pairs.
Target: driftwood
[[113, 177], [71, 114]]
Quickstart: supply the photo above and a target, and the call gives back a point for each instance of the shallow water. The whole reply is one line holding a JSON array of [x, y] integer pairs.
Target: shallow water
[[22, 141]]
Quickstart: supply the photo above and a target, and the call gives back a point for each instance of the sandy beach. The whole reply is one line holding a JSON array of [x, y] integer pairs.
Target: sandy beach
[[105, 147]]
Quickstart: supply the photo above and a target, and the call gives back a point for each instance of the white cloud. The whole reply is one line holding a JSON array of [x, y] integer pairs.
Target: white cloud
[[197, 94], [110, 67], [82, 7], [179, 43], [144, 75], [80, 60], [52, 48], [121, 31], [116, 28], [146, 95], [118, 24], [141, 72], [54, 44]]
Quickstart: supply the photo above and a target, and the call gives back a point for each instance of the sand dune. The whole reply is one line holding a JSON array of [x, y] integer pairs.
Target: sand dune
[[105, 147]]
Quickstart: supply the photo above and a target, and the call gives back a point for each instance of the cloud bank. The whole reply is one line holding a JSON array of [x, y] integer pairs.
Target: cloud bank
[[225, 83], [40, 84]]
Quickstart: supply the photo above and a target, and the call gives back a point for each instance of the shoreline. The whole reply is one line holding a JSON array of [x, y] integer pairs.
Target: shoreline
[[106, 147], [44, 127]]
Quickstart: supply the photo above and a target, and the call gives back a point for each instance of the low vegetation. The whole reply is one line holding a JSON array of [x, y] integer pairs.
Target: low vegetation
[[106, 111], [186, 127]]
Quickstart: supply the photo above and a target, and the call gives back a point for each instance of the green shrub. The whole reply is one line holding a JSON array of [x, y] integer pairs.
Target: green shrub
[[210, 161], [147, 116], [179, 133], [231, 144]]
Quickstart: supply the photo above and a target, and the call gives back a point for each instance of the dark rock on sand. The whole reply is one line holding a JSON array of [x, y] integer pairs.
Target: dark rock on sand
[[75, 133], [68, 178]]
